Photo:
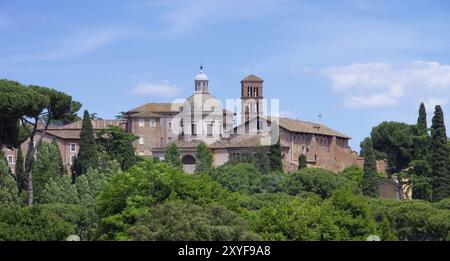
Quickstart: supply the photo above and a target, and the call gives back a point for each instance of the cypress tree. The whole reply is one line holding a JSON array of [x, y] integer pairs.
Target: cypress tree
[[87, 155], [440, 157], [276, 163], [48, 165], [262, 160], [20, 171], [8, 187], [302, 161], [172, 155], [420, 168], [422, 119], [204, 159], [370, 179]]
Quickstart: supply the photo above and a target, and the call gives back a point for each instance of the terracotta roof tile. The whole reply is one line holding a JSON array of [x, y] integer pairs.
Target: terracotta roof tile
[[252, 78]]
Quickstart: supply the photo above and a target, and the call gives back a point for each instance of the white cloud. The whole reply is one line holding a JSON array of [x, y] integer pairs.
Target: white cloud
[[160, 89], [430, 103], [374, 85]]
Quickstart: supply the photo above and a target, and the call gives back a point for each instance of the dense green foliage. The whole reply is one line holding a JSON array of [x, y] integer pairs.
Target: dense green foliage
[[204, 159], [369, 183], [178, 220], [318, 181], [276, 157], [8, 187], [48, 165], [393, 141], [117, 144], [302, 161], [440, 157], [87, 155], [243, 177], [172, 155]]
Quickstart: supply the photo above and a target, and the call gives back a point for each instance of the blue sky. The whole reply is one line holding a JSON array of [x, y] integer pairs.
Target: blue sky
[[356, 62]]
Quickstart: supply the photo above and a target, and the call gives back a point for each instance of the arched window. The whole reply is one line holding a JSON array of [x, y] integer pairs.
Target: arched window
[[188, 160]]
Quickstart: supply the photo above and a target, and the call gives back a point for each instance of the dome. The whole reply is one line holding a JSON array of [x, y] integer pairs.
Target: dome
[[203, 102], [201, 76]]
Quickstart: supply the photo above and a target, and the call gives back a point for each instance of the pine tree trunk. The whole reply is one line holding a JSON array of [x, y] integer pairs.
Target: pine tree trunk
[[30, 160]]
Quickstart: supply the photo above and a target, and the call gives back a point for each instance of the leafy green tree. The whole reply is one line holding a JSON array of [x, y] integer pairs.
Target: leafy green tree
[[59, 190], [276, 158], [127, 195], [422, 119], [82, 218], [16, 102], [302, 162], [319, 181], [295, 219], [48, 165], [440, 157], [394, 141], [419, 173], [176, 220], [172, 155], [54, 106], [352, 214], [370, 178], [204, 163], [87, 155], [354, 173], [8, 187], [243, 177], [262, 160], [20, 171], [33, 223], [117, 144], [419, 220]]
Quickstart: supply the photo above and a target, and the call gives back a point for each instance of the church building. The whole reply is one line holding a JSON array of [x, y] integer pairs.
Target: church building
[[202, 118]]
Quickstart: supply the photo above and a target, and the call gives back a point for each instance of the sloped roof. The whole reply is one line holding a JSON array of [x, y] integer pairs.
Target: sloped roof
[[72, 130], [158, 107], [69, 134], [96, 124], [245, 141], [304, 126], [252, 78], [309, 127]]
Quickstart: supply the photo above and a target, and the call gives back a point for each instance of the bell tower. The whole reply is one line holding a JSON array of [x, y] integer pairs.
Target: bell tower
[[251, 98]]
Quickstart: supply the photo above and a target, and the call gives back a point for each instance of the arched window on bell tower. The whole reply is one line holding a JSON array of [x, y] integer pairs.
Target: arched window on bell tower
[[251, 88]]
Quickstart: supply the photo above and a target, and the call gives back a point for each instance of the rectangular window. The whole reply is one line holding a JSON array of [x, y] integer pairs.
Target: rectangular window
[[209, 129], [170, 125], [249, 93], [170, 139], [10, 159], [73, 147], [141, 123], [161, 142], [152, 123], [256, 92], [194, 129], [72, 159], [141, 140]]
